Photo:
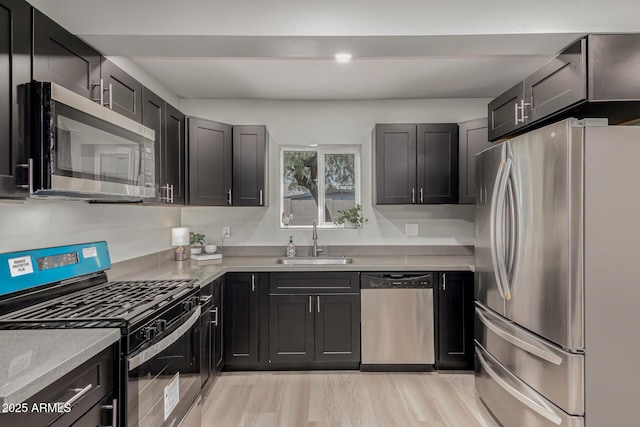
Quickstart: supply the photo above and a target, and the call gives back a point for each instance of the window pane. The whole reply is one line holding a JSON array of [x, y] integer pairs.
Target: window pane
[[300, 186], [340, 184]]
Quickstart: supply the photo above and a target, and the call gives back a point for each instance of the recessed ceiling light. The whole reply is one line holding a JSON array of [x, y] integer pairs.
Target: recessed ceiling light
[[343, 57]]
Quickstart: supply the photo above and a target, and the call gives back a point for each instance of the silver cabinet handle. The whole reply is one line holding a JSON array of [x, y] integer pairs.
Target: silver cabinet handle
[[214, 322], [521, 107], [229, 196], [164, 198], [100, 85], [29, 167], [413, 195], [171, 189], [318, 301], [110, 96], [79, 393], [253, 283], [261, 202], [421, 195], [444, 281], [114, 412], [310, 303]]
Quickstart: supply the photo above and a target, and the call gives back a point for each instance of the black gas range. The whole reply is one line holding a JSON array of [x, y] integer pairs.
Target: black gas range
[[160, 334]]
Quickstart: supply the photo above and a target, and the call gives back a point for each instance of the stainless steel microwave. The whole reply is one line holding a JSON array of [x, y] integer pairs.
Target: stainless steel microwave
[[80, 149]]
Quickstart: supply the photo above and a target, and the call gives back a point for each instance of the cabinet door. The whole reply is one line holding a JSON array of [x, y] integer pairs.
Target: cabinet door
[[209, 163], [153, 117], [100, 415], [15, 69], [291, 328], [205, 347], [62, 58], [473, 138], [249, 158], [504, 117], [455, 321], [559, 83], [174, 172], [123, 93], [217, 321], [337, 328], [395, 164], [437, 163], [241, 318]]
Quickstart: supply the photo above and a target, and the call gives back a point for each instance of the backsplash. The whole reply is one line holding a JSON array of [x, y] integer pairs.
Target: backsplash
[[130, 231]]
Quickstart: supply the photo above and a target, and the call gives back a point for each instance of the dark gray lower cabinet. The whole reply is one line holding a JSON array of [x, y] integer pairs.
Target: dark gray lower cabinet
[[314, 328], [291, 329], [455, 321], [246, 331]]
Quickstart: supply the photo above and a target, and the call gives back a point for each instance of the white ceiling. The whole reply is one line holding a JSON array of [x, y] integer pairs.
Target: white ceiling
[[283, 49]]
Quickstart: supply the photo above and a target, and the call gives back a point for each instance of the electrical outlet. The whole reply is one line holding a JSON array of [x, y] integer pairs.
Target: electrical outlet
[[411, 230], [226, 231]]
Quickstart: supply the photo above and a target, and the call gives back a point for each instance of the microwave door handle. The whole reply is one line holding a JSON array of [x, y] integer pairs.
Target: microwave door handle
[[499, 230], [492, 229]]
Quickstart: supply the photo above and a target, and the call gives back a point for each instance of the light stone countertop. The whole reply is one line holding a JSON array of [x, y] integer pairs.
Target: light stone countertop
[[204, 272], [31, 360]]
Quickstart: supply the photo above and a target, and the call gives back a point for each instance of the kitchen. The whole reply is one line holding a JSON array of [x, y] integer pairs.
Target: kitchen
[[134, 231]]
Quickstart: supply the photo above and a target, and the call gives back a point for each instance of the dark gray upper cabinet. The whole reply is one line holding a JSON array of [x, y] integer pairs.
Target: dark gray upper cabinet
[[173, 171], [249, 159], [473, 138], [62, 58], [168, 123], [416, 164], [437, 163], [455, 321], [153, 117], [593, 77], [560, 83], [395, 164], [210, 161], [504, 112], [122, 93], [15, 69]]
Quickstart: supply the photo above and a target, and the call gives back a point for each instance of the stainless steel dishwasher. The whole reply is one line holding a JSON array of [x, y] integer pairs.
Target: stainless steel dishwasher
[[397, 321]]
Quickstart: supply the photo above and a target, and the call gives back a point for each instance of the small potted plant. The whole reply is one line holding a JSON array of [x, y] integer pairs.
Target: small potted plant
[[196, 240], [351, 218]]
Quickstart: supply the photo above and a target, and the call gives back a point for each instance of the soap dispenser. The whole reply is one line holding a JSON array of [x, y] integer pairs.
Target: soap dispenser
[[291, 248]]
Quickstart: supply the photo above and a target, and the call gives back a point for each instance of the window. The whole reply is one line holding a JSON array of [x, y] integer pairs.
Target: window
[[317, 182]]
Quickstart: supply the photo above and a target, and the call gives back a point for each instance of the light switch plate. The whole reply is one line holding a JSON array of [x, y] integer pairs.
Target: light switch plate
[[226, 231], [411, 230]]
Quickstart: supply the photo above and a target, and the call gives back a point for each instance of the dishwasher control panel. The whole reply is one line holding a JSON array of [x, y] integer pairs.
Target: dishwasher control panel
[[396, 280]]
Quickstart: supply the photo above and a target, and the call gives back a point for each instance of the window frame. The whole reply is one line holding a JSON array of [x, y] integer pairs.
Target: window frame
[[322, 150]]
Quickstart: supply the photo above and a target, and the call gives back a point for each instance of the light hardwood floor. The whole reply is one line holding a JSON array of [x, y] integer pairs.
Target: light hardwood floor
[[343, 398]]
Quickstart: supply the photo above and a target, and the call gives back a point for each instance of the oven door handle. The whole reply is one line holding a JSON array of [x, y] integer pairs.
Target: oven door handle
[[157, 348]]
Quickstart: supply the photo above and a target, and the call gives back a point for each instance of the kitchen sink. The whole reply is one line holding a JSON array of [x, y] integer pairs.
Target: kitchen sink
[[315, 261]]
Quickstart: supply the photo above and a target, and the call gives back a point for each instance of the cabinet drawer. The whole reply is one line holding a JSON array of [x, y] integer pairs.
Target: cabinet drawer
[[91, 382], [306, 282]]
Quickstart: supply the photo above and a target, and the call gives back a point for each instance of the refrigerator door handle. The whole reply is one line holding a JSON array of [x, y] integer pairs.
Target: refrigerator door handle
[[499, 229], [520, 343], [493, 229], [544, 411]]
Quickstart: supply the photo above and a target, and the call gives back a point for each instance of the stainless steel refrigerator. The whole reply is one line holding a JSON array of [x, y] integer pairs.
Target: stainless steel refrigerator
[[557, 295]]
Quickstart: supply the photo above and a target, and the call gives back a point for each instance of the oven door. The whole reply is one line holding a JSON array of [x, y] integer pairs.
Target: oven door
[[164, 378]]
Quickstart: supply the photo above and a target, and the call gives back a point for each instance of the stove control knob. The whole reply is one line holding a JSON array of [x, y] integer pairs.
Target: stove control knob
[[188, 305], [150, 333], [161, 325]]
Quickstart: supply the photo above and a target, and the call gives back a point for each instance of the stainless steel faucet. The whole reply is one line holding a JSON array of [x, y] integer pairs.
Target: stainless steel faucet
[[315, 251]]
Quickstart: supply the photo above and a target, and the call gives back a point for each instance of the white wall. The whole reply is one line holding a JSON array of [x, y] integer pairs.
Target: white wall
[[130, 231], [334, 122]]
